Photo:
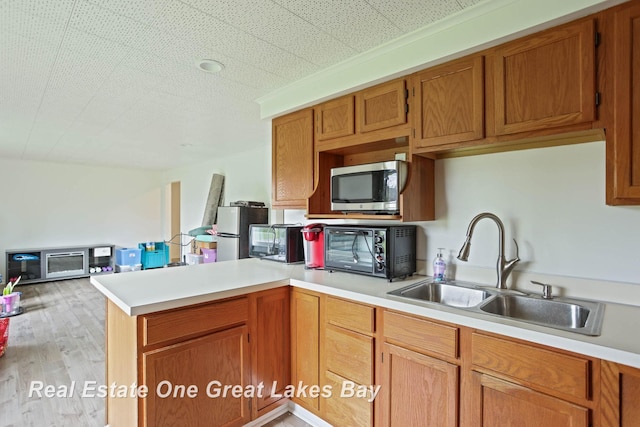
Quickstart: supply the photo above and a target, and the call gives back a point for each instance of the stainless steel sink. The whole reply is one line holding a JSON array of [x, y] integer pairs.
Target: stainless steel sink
[[584, 317], [443, 293]]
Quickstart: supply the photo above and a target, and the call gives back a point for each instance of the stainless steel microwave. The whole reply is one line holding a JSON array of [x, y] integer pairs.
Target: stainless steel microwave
[[369, 188]]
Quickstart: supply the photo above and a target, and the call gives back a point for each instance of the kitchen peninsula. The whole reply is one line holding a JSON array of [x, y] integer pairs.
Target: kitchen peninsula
[[248, 322]]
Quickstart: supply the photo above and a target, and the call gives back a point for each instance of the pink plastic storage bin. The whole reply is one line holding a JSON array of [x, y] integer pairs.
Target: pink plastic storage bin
[[209, 255]]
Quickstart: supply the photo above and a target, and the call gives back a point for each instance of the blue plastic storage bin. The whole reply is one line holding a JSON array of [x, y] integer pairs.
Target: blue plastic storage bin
[[128, 256], [153, 259]]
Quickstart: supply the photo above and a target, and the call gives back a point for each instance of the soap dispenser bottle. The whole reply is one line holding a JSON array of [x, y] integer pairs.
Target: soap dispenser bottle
[[439, 267]]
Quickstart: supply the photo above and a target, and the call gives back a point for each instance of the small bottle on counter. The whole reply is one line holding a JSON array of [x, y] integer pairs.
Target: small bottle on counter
[[439, 267]]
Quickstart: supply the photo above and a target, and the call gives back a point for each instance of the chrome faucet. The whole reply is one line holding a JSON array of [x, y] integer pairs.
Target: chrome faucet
[[503, 266]]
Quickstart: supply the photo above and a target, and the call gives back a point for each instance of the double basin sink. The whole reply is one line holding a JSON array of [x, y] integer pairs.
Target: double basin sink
[[580, 316]]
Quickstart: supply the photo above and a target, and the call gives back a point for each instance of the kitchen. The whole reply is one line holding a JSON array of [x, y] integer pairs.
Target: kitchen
[[551, 203], [320, 301]]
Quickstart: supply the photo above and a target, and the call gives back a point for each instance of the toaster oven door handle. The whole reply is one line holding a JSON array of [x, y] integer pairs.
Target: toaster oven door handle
[[350, 233]]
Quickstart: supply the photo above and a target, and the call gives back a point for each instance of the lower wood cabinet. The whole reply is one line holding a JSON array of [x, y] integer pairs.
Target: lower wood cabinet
[[522, 384], [381, 367], [418, 390], [420, 372], [200, 364], [305, 345], [347, 362], [620, 395], [502, 403], [348, 410], [185, 381], [270, 347]]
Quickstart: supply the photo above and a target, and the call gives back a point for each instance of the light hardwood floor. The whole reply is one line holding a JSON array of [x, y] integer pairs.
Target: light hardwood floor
[[287, 420], [59, 340]]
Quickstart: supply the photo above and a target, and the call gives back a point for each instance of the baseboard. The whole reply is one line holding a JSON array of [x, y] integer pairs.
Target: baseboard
[[269, 416], [297, 410], [307, 416]]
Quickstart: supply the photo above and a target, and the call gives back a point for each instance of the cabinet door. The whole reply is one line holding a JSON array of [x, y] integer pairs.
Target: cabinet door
[[418, 390], [620, 402], [335, 118], [292, 160], [382, 106], [500, 403], [449, 103], [170, 371], [270, 350], [626, 137], [305, 345], [546, 80]]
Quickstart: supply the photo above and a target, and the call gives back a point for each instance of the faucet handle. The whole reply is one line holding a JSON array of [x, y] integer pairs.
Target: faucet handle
[[546, 289], [517, 258]]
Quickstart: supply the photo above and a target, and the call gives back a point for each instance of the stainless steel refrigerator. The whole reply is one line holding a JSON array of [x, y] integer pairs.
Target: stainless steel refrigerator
[[233, 230]]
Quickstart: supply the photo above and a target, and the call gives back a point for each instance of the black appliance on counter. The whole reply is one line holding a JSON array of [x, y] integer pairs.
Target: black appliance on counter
[[276, 242], [380, 251]]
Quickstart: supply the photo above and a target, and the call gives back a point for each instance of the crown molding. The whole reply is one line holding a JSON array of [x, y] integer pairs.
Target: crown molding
[[478, 27]]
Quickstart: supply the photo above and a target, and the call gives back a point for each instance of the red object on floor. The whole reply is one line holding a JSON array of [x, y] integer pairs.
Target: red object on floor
[[4, 334]]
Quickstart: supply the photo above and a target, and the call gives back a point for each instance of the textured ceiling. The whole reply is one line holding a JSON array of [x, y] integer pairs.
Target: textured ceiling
[[114, 82]]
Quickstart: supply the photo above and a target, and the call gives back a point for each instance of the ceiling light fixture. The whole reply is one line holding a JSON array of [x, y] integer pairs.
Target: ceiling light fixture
[[209, 65]]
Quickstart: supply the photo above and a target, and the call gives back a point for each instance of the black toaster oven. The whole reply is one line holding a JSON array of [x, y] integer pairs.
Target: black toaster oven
[[276, 242], [380, 251]]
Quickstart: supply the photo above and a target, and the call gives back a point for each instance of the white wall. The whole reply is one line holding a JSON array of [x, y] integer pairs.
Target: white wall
[[48, 204], [552, 200], [247, 177]]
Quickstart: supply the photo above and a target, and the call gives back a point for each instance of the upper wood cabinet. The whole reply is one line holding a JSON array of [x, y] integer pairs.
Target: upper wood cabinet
[[544, 81], [335, 118], [292, 160], [382, 106], [448, 103], [623, 144]]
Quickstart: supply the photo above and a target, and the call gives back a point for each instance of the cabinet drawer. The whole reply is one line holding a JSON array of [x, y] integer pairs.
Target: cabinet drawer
[[193, 321], [350, 315], [349, 354], [347, 411], [535, 366], [421, 334]]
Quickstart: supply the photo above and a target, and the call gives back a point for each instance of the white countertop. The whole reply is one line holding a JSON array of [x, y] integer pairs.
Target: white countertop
[[166, 288], [147, 291]]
